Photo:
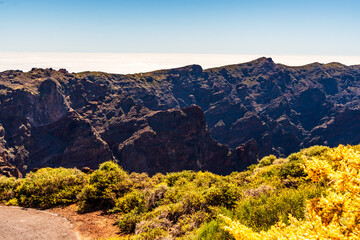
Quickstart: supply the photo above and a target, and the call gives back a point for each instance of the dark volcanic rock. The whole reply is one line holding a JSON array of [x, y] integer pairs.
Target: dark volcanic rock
[[281, 107], [55, 118], [173, 140], [68, 142], [38, 128], [6, 169], [245, 155]]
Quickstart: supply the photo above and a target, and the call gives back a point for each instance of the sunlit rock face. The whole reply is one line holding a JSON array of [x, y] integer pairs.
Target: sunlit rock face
[[167, 120]]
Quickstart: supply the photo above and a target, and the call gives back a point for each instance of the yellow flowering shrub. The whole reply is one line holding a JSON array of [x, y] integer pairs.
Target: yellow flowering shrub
[[336, 216]]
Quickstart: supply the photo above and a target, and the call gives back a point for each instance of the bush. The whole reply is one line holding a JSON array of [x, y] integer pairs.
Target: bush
[[141, 180], [260, 213], [190, 222], [173, 212], [266, 161], [7, 187], [333, 216], [153, 197], [175, 205], [222, 194], [153, 234], [49, 187], [315, 151], [292, 169], [213, 230], [295, 157], [192, 202], [268, 175], [106, 184], [133, 201], [205, 180], [171, 178], [127, 222], [152, 229]]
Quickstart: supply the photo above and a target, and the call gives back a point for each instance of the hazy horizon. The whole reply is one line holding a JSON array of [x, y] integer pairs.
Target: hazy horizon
[[261, 27], [120, 36], [127, 63]]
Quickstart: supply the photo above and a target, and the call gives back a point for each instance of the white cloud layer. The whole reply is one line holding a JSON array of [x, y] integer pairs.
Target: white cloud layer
[[134, 63]]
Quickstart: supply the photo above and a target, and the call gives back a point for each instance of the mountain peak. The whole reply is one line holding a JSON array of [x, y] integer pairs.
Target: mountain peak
[[263, 60]]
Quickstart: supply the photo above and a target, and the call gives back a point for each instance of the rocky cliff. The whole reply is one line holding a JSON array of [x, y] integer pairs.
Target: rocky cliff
[[148, 121]]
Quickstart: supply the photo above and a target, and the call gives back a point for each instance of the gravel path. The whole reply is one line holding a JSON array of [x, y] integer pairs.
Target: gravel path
[[23, 224]]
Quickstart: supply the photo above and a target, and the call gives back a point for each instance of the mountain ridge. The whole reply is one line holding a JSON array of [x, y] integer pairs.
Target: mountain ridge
[[282, 108]]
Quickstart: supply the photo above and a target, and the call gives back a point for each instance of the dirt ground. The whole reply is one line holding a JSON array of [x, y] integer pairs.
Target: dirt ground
[[89, 226], [57, 223], [22, 224]]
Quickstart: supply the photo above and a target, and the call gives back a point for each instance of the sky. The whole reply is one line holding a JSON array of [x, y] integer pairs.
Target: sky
[[223, 27]]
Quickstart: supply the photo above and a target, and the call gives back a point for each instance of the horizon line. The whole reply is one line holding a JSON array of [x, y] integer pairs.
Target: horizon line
[[130, 63]]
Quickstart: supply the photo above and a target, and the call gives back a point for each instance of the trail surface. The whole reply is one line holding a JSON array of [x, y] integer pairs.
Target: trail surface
[[23, 224]]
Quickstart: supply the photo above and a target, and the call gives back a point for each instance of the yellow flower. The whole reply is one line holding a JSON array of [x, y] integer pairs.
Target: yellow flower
[[336, 216]]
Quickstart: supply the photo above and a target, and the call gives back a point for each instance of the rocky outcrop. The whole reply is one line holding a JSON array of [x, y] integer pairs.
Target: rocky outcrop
[[148, 122], [38, 128], [6, 169], [68, 142], [245, 155], [283, 108], [53, 119], [172, 140]]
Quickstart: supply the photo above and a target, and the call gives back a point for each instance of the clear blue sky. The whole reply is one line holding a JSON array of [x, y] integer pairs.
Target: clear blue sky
[[315, 27]]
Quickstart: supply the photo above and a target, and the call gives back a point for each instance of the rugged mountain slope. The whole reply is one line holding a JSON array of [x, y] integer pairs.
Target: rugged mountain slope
[[284, 108], [51, 118], [55, 118]]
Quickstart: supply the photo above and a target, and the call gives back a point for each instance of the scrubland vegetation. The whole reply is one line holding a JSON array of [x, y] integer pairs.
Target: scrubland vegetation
[[334, 215], [312, 194]]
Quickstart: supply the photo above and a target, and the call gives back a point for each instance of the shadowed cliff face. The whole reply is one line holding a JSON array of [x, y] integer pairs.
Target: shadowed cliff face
[[51, 118], [172, 140], [40, 129], [283, 108], [55, 118]]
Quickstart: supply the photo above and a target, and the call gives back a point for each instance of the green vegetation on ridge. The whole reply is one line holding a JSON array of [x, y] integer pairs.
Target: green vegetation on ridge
[[181, 205]]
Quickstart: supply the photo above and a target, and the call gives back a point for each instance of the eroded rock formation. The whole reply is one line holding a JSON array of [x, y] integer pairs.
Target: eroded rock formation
[[148, 122]]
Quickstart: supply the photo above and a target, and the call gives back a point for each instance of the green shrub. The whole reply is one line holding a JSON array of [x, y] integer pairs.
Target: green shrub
[[295, 157], [180, 205], [153, 228], [308, 152], [133, 201], [7, 187], [190, 222], [171, 178], [106, 184], [292, 169], [315, 150], [173, 212], [153, 234], [213, 230], [49, 187], [205, 180], [251, 167], [260, 213], [268, 160], [238, 177], [127, 222], [268, 175], [222, 194], [172, 195], [192, 202], [141, 180], [356, 148], [155, 196]]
